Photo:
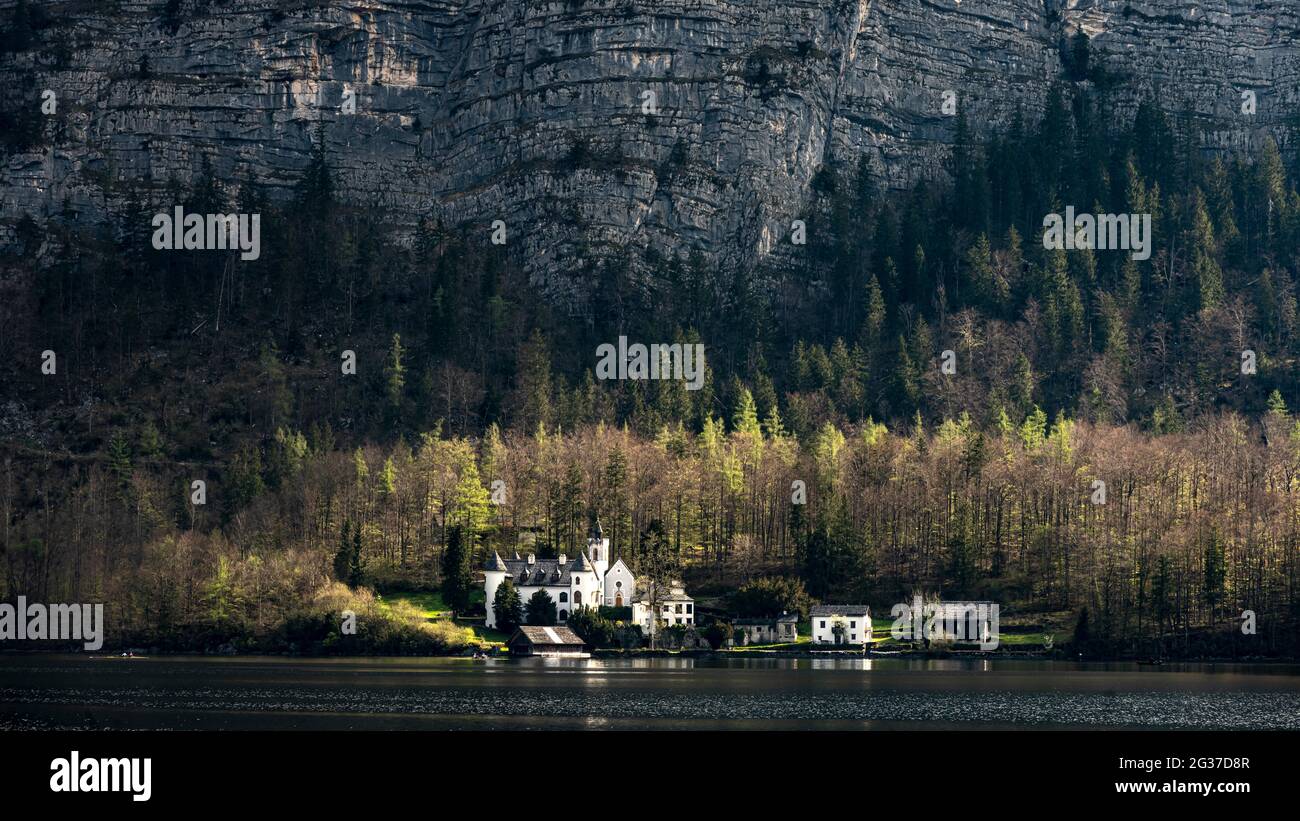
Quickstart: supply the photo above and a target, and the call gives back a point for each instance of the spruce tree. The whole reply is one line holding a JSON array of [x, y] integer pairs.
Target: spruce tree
[[508, 607], [343, 558], [457, 569], [395, 378], [356, 568], [540, 609], [746, 416], [316, 188]]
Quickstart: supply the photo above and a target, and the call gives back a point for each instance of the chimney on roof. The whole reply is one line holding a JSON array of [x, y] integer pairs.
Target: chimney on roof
[[563, 558], [532, 558]]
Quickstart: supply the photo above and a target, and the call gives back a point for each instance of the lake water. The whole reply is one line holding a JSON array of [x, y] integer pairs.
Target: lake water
[[256, 692]]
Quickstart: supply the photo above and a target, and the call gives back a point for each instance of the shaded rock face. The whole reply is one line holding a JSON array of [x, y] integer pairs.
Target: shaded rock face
[[594, 127]]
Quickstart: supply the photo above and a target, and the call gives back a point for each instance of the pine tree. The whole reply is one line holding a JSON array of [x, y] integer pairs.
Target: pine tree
[[470, 500], [1034, 429], [1266, 300], [316, 188], [772, 425], [457, 569], [119, 459], [1153, 143], [387, 484], [395, 375], [533, 391], [614, 497], [150, 441], [356, 568], [987, 289], [540, 609], [1269, 189], [1219, 200], [745, 420], [1082, 632], [1277, 405], [873, 326], [906, 379], [343, 558], [569, 508], [508, 607], [1206, 274]]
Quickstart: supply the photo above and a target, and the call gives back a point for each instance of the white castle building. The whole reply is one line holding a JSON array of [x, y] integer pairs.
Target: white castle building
[[587, 580]]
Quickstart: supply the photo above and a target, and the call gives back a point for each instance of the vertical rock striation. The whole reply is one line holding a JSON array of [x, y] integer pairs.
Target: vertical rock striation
[[536, 112]]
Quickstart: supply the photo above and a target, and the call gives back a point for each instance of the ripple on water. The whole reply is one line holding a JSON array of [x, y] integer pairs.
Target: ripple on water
[[1169, 709]]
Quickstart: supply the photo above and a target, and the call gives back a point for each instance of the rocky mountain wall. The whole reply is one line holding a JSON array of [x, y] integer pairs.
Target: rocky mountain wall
[[592, 126]]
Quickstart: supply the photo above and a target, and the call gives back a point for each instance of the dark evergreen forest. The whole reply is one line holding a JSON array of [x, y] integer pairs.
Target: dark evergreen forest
[[1071, 367]]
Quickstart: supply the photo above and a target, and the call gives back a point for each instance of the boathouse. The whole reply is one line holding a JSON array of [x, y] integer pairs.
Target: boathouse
[[546, 641]]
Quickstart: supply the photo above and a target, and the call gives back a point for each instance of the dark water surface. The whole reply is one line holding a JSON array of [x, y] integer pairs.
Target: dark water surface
[[256, 692]]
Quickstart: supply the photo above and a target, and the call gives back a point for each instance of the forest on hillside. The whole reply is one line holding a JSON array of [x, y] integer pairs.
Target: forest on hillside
[[823, 367]]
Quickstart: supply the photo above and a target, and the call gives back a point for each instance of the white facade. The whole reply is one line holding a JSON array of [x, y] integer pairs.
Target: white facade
[[491, 581], [585, 578], [841, 625], [670, 613], [620, 586], [675, 607]]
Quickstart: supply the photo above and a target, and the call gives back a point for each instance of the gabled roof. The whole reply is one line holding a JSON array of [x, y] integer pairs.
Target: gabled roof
[[545, 572], [549, 636], [841, 610], [790, 617], [666, 598], [675, 591]]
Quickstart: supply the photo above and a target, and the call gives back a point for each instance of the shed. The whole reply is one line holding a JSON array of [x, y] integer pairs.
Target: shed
[[546, 641]]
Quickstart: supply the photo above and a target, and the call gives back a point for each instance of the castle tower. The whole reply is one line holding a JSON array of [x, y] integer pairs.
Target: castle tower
[[494, 572], [598, 549]]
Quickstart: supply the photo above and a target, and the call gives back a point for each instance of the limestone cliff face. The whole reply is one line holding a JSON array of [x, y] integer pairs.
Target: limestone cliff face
[[534, 112]]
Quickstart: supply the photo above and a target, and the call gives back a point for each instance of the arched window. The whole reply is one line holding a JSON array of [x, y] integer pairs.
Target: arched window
[[564, 615], [577, 596], [564, 597]]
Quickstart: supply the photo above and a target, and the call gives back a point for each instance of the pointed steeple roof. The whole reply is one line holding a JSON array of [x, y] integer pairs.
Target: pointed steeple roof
[[596, 533], [581, 565], [495, 562]]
